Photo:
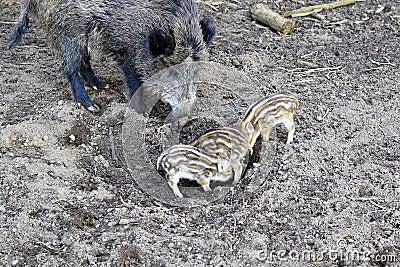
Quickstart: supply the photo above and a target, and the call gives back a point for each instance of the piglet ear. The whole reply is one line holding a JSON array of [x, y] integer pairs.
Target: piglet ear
[[208, 30], [222, 165], [249, 128], [161, 42]]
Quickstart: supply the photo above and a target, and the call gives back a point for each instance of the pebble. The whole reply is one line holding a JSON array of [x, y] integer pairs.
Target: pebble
[[270, 215], [92, 260], [319, 118], [124, 221], [72, 138], [100, 159], [101, 194], [14, 262], [112, 224], [2, 209]]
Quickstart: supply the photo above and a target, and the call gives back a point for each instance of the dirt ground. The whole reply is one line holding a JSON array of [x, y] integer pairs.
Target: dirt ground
[[67, 197]]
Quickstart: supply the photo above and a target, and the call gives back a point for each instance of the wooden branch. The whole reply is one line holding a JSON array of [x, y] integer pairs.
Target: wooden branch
[[263, 14], [312, 9]]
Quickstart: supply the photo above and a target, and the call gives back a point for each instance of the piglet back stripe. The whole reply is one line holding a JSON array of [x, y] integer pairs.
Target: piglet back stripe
[[271, 102]]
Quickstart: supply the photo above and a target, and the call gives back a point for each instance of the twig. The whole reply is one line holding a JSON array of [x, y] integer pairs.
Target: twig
[[263, 14], [376, 205], [316, 7], [361, 21], [366, 198], [128, 205], [382, 131], [33, 46], [298, 2], [370, 200], [236, 1], [48, 247], [306, 81], [26, 63], [378, 68], [306, 71], [9, 22], [383, 63], [309, 54], [312, 198], [322, 69], [234, 226], [58, 201], [213, 7], [326, 113], [339, 22], [315, 11]]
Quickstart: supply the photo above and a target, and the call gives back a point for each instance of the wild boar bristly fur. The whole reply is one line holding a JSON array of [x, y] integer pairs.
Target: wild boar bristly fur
[[142, 36]]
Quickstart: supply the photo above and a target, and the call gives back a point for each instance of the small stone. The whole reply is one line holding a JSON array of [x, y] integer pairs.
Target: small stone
[[319, 118], [14, 262], [92, 260], [72, 138], [270, 215], [379, 10], [102, 194], [100, 159], [124, 221], [110, 224], [2, 209]]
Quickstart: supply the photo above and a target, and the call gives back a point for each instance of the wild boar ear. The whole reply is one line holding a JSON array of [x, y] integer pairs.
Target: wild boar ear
[[161, 42], [208, 29]]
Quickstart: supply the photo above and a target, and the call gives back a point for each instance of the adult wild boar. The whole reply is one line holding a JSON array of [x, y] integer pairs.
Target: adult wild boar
[[140, 35]]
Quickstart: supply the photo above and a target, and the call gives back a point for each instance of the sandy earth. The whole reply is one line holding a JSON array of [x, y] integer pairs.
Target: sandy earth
[[67, 197]]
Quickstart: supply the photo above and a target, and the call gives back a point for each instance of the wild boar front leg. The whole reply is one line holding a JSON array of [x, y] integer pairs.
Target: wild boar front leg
[[88, 75], [70, 52]]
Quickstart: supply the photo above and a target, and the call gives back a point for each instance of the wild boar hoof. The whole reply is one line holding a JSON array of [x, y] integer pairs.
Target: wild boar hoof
[[93, 108]]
